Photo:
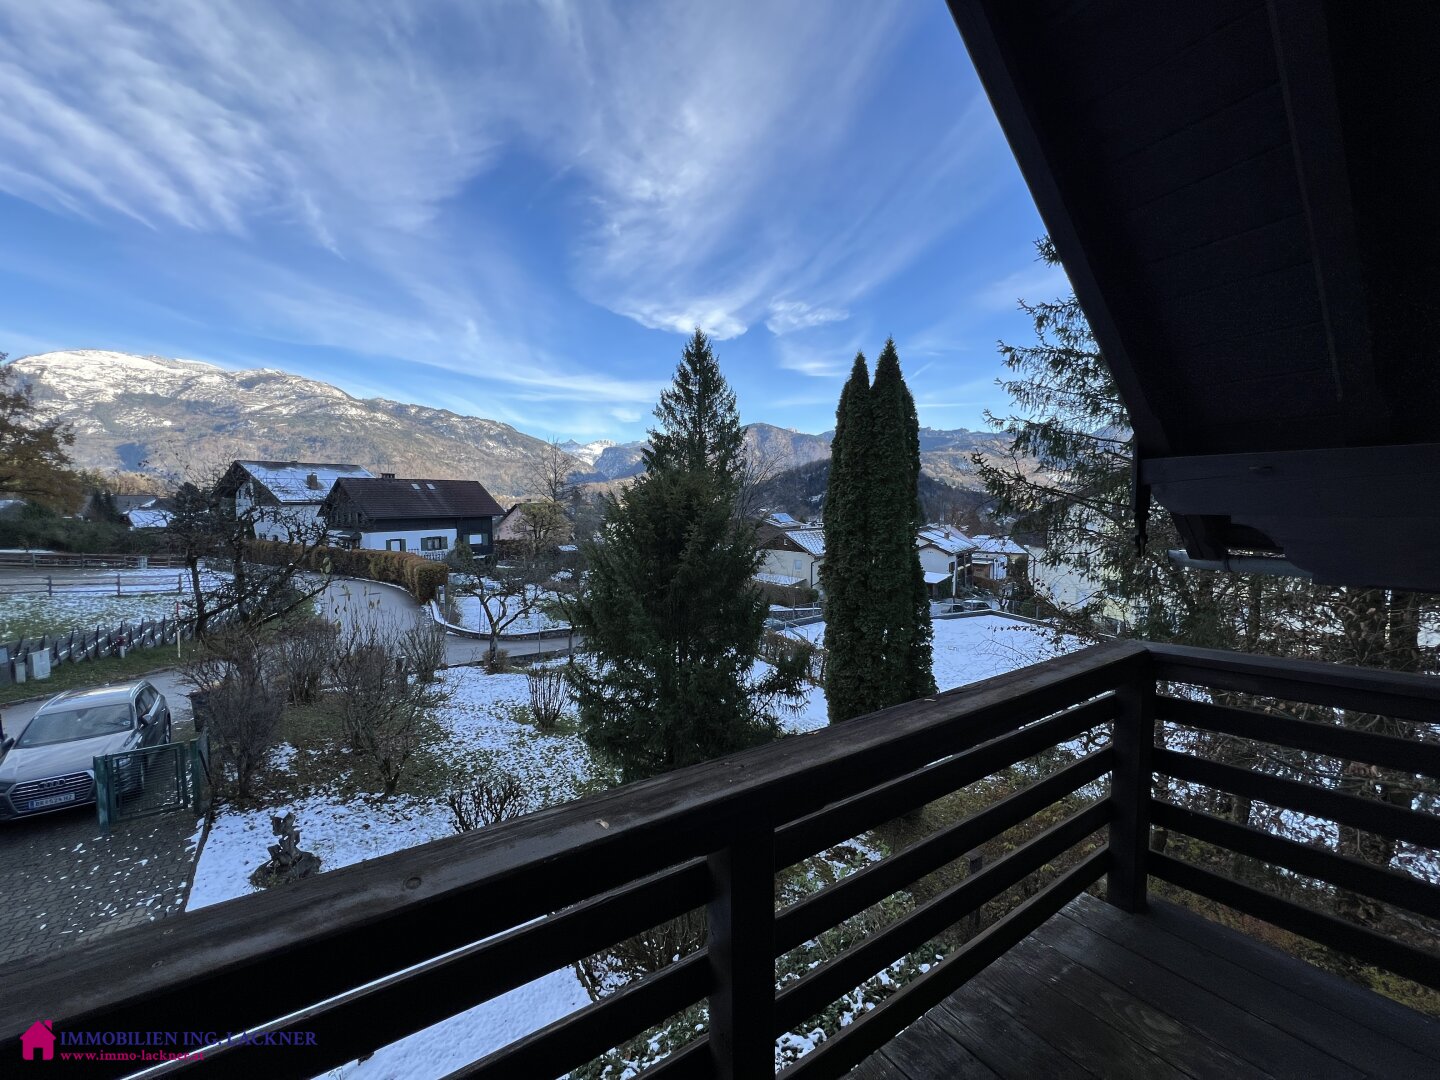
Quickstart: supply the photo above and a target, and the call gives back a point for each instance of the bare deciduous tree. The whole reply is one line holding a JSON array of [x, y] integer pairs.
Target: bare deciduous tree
[[206, 527], [506, 591], [239, 676], [304, 653], [550, 477], [384, 711]]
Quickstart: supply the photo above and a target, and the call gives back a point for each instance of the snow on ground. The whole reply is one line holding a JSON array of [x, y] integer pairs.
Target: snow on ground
[[967, 650], [471, 618], [478, 719]]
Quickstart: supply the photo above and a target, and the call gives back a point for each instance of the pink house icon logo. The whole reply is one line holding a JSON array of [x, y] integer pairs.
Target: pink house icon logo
[[38, 1044]]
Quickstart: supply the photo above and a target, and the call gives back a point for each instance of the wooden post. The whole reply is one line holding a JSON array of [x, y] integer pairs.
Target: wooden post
[[742, 958], [1130, 786]]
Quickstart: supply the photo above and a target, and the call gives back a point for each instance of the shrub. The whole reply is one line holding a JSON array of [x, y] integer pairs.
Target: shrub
[[790, 596], [549, 694], [385, 713], [485, 797], [244, 700], [423, 647], [423, 578], [304, 652]]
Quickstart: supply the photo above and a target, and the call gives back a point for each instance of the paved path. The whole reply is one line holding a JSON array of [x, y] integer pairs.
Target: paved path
[[63, 883], [351, 602]]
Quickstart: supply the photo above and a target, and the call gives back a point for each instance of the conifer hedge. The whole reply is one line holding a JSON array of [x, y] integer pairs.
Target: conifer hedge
[[421, 577]]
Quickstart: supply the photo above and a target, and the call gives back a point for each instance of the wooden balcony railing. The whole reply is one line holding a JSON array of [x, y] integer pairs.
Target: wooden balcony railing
[[365, 955]]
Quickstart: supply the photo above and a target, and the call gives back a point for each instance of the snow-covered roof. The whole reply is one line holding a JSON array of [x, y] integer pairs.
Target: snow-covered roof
[[934, 578], [812, 540], [945, 537], [781, 520], [146, 517], [300, 481], [998, 545], [781, 579]]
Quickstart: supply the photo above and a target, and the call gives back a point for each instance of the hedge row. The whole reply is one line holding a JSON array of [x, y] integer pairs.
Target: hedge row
[[422, 577]]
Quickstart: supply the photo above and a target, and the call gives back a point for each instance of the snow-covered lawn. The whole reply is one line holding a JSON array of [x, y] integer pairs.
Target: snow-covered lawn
[[471, 618], [967, 651], [477, 719], [145, 594]]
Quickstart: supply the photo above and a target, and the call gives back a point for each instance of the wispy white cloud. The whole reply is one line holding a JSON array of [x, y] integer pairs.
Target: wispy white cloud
[[787, 316], [1038, 282], [703, 148]]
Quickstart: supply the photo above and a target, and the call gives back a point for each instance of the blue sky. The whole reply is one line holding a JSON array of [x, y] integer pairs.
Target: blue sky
[[515, 210]]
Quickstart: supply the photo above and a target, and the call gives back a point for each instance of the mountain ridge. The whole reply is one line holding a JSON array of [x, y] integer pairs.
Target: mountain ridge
[[174, 416]]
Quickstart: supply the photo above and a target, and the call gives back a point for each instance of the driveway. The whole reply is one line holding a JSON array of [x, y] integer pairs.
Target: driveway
[[64, 883], [352, 602]]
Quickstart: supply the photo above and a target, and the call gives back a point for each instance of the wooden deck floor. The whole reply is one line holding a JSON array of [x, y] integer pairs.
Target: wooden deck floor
[[1097, 993]]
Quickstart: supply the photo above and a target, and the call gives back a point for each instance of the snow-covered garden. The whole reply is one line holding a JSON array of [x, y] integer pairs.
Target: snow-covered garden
[[85, 602], [484, 719]]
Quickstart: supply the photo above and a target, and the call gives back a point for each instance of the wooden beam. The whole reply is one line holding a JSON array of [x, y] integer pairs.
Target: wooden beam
[[1080, 242], [1307, 78]]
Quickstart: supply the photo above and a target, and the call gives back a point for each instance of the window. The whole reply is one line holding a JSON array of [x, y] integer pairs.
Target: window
[[799, 565], [145, 701], [433, 543], [395, 545]]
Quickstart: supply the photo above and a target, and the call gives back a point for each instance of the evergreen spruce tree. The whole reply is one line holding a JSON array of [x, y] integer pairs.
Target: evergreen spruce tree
[[672, 616], [877, 614]]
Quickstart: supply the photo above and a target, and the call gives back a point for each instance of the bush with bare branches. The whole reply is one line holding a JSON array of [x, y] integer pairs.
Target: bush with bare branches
[[485, 796], [384, 711], [304, 652], [238, 674], [549, 695], [423, 647]]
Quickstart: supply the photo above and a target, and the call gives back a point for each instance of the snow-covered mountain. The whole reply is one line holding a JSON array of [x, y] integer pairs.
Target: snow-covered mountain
[[176, 417], [586, 453], [173, 416]]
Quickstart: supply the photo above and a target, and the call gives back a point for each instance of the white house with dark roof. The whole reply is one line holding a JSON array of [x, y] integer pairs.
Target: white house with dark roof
[[996, 557], [792, 556], [944, 557], [424, 517], [282, 498]]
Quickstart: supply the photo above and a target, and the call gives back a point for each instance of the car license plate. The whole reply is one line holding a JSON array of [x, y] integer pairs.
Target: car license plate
[[53, 800]]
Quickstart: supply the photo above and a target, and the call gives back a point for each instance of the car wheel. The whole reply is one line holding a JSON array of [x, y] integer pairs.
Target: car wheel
[[167, 737]]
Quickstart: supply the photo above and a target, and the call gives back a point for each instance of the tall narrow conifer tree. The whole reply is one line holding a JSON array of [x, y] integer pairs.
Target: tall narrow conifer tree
[[877, 613]]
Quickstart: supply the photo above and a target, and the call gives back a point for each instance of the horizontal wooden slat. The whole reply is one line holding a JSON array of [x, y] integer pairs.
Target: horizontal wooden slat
[[1368, 814], [1363, 944], [360, 1022], [872, 1029], [1389, 886], [351, 926], [829, 907], [819, 987], [690, 1063], [1387, 693], [575, 1039], [838, 823], [1387, 751]]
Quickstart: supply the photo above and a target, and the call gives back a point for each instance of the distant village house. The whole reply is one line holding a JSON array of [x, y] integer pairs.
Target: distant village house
[[424, 517], [282, 498]]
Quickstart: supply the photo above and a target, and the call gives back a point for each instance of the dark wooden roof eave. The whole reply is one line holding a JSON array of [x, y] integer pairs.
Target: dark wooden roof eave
[[1224, 183]]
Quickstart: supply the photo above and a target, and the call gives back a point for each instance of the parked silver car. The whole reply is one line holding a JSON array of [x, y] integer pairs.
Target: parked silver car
[[50, 765]]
